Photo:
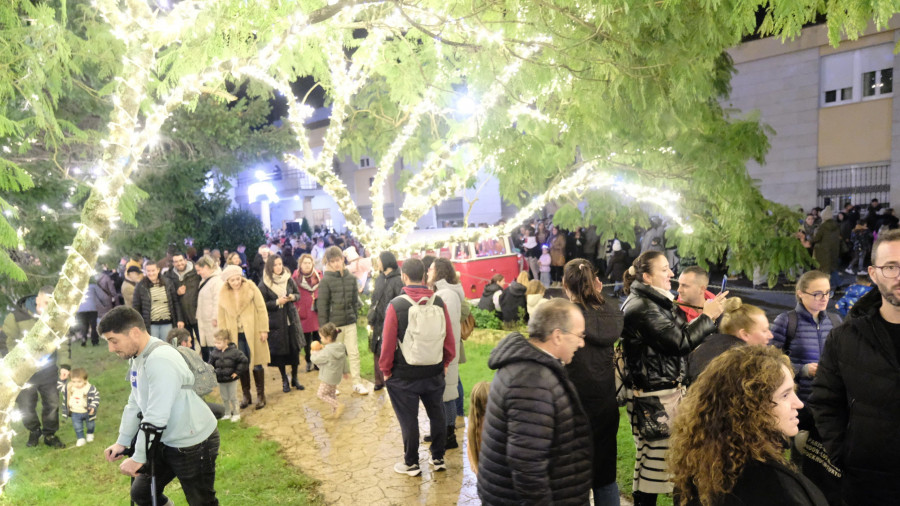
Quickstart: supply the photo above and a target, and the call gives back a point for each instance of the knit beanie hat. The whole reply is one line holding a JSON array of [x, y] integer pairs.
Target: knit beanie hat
[[827, 213], [231, 271]]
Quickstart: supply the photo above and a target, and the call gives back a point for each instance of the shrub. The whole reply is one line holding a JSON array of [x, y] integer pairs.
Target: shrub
[[485, 319]]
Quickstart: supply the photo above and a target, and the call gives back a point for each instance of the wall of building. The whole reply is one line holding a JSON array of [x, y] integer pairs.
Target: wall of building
[[782, 82]]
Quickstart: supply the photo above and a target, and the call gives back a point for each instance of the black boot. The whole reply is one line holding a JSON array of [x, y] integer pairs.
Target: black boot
[[308, 366], [259, 377], [34, 437], [245, 389], [53, 442], [451, 437], [294, 382], [285, 384], [644, 499]]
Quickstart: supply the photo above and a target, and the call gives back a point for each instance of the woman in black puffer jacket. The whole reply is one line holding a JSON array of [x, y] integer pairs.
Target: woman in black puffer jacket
[[656, 340], [387, 286], [591, 371]]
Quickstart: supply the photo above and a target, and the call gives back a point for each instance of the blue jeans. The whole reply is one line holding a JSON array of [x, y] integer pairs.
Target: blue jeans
[[606, 495], [79, 420], [194, 466], [160, 330], [459, 400]]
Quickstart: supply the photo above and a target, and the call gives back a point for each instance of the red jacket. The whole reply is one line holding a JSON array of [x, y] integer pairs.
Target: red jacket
[[389, 359], [692, 313]]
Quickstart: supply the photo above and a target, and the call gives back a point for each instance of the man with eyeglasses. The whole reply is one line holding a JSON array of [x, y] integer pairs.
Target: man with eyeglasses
[[536, 444], [855, 397]]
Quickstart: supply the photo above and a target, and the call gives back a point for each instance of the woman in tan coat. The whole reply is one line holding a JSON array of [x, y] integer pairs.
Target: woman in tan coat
[[242, 312]]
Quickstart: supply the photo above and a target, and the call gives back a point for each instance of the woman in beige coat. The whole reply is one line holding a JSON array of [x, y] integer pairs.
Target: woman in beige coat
[[208, 302], [242, 312]]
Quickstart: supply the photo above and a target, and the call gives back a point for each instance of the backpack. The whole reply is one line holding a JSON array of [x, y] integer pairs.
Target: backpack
[[205, 380], [423, 342], [792, 328]]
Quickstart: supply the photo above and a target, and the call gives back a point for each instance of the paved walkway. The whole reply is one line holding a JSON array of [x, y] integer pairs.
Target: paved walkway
[[353, 457]]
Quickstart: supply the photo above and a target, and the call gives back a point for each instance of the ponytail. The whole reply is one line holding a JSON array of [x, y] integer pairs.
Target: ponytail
[[639, 267], [578, 279]]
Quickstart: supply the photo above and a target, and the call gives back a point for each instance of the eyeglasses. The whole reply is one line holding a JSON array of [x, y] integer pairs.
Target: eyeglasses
[[820, 296], [580, 336], [889, 271]]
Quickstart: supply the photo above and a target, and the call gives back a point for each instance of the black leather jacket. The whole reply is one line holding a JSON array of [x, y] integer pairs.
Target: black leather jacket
[[657, 339]]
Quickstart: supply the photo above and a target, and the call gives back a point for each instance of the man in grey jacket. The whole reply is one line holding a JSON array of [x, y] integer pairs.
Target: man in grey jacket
[[162, 394]]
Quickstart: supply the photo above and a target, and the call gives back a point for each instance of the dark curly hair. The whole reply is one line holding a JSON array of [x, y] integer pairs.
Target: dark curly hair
[[725, 421]]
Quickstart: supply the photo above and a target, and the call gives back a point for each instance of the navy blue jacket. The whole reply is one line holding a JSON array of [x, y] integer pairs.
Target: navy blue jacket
[[806, 346]]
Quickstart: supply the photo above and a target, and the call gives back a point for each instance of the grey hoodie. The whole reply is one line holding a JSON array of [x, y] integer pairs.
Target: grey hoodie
[[332, 363]]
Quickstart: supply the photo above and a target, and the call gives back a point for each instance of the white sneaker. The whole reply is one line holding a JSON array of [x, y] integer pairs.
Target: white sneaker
[[90, 438], [80, 442], [412, 470], [359, 389], [236, 418]]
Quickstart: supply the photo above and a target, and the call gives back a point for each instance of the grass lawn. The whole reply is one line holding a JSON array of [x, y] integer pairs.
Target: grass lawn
[[249, 468]]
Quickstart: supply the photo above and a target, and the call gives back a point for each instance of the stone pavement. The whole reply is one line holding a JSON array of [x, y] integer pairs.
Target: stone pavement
[[353, 457]]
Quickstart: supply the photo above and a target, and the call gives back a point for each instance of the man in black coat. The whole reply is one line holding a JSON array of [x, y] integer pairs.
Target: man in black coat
[[855, 399], [536, 446], [187, 286]]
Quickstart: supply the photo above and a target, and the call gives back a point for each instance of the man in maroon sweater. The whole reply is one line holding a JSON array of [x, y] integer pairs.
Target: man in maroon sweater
[[408, 384]]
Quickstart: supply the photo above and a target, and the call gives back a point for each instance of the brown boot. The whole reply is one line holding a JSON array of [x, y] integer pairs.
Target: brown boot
[[245, 388], [259, 377]]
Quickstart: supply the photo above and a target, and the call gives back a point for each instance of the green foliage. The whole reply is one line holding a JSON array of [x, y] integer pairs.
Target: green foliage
[[486, 319], [245, 464], [237, 226]]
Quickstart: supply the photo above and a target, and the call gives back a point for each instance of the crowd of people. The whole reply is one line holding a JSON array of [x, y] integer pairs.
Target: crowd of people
[[713, 391]]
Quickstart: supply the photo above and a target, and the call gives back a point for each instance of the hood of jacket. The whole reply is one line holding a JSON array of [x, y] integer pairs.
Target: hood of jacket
[[417, 292], [442, 284], [515, 348], [332, 274], [516, 288], [490, 289], [651, 293]]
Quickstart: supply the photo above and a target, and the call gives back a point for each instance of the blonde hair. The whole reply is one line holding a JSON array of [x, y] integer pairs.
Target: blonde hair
[[79, 373], [534, 287], [478, 399], [738, 316], [522, 278], [223, 335]]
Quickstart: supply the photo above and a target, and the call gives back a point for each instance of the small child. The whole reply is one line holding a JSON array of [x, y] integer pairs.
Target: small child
[[854, 292], [229, 363], [331, 357], [80, 400], [477, 408], [545, 265]]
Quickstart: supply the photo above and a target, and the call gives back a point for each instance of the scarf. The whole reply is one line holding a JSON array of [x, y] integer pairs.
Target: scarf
[[305, 281], [277, 282]]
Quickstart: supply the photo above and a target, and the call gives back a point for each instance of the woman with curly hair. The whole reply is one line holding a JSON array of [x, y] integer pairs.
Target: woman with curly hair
[[732, 427]]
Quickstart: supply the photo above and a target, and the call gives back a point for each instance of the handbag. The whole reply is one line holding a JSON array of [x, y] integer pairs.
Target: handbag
[[468, 325], [650, 418], [653, 414]]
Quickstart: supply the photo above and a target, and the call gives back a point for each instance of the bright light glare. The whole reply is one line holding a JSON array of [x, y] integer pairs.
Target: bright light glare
[[466, 106]]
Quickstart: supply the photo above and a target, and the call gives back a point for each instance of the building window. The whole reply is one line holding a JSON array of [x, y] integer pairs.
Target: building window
[[878, 82], [365, 162], [852, 76], [857, 184]]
